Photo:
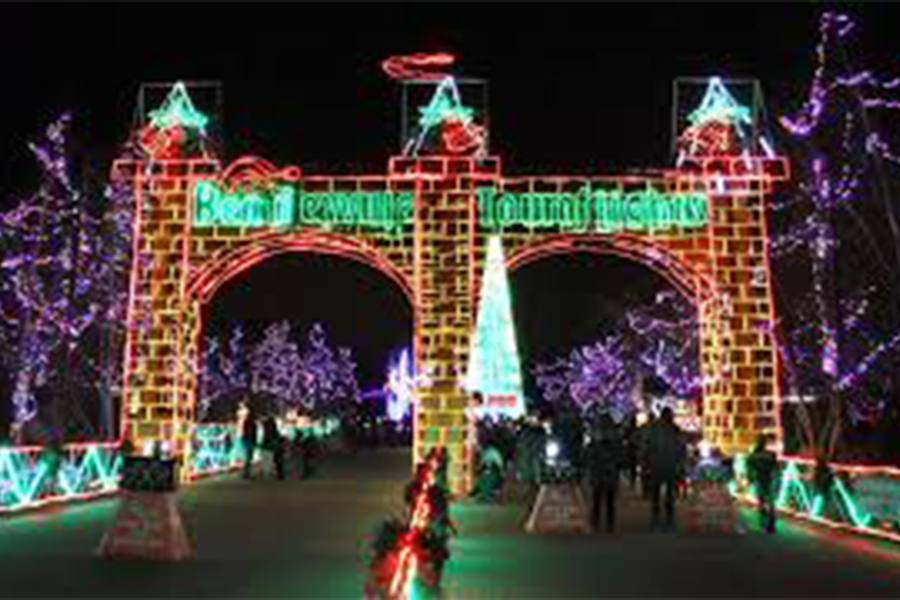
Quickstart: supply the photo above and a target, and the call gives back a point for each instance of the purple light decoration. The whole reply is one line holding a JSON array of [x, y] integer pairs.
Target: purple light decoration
[[659, 340], [329, 377], [317, 377], [212, 384], [839, 339], [275, 366], [56, 264]]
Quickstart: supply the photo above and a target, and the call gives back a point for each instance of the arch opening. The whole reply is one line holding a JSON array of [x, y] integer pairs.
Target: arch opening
[[321, 290], [599, 330]]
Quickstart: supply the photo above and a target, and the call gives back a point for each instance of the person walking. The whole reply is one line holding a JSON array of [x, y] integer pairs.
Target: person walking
[[630, 442], [762, 470], [273, 442], [249, 437], [642, 444], [665, 459], [605, 456]]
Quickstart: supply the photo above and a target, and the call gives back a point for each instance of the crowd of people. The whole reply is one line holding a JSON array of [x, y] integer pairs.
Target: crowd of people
[[283, 455], [656, 459]]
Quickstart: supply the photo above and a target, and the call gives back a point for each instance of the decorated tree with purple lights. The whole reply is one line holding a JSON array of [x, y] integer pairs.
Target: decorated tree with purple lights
[[655, 341], [598, 375], [213, 384], [666, 343], [234, 363], [316, 377], [53, 264], [104, 367], [275, 366], [329, 376], [837, 343]]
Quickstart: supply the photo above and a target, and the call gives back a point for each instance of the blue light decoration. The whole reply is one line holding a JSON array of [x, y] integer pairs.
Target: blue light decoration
[[27, 479], [494, 368], [400, 386], [217, 449]]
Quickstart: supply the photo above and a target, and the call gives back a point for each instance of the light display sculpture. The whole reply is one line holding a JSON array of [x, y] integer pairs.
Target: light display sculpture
[[715, 253], [401, 387], [495, 369]]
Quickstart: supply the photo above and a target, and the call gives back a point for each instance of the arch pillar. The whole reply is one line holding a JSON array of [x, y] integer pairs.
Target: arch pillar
[[158, 391]]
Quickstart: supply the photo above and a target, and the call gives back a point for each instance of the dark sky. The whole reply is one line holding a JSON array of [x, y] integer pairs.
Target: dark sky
[[573, 86]]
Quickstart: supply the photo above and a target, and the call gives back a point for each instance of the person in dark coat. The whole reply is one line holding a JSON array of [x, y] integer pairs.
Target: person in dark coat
[[630, 441], [665, 456], [248, 439], [605, 456], [642, 443], [274, 442], [762, 470]]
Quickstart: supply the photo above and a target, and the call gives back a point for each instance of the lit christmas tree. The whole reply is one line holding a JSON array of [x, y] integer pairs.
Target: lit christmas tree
[[494, 366], [718, 127]]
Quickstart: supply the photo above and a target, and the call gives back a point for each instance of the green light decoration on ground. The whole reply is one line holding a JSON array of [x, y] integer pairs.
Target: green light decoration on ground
[[793, 486], [494, 366], [719, 105], [178, 111], [792, 482], [217, 447], [24, 477]]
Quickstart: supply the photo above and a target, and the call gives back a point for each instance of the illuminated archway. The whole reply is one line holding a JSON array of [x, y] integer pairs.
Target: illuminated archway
[[425, 224]]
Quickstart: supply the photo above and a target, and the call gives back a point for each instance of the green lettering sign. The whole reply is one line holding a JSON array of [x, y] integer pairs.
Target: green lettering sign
[[601, 211], [288, 206]]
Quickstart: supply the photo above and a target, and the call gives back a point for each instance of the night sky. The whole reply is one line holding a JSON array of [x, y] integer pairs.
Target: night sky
[[573, 87]]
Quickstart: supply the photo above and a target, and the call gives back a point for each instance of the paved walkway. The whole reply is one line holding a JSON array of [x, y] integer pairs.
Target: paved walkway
[[253, 539], [493, 558], [307, 540]]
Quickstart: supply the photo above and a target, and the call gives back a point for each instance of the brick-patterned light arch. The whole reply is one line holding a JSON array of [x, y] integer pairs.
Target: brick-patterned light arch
[[218, 270], [693, 284]]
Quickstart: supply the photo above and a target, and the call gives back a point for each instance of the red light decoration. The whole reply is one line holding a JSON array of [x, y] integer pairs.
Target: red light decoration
[[461, 137], [418, 67], [408, 556], [163, 144], [709, 138], [252, 171]]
